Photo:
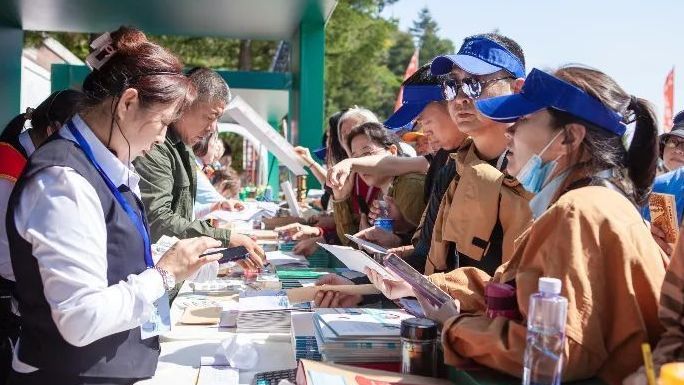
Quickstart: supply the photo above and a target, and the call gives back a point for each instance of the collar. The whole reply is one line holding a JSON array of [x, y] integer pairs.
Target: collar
[[466, 155], [117, 171], [26, 142]]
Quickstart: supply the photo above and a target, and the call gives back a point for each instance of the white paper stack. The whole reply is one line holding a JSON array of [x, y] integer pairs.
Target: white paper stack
[[359, 335], [265, 311], [286, 258]]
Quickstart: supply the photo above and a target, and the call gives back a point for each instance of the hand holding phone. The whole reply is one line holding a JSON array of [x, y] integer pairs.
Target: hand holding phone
[[229, 254]]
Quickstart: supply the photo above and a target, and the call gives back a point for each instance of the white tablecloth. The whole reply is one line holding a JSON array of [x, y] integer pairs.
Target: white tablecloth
[[182, 348]]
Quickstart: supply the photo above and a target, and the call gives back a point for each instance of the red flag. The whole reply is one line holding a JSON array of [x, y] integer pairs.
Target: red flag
[[410, 70], [668, 92]]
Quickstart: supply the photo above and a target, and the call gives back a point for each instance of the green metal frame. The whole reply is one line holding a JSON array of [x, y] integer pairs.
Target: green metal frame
[[72, 76], [308, 97], [11, 44], [305, 84]]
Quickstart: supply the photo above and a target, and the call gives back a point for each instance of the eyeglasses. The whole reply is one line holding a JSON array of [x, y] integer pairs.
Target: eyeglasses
[[471, 88], [674, 144], [368, 153]]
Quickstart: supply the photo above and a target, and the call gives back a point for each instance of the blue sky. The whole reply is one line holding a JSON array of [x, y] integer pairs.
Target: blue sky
[[635, 42]]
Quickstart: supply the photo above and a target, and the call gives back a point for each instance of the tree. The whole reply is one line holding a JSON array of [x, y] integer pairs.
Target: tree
[[212, 52], [425, 30], [356, 73], [400, 53]]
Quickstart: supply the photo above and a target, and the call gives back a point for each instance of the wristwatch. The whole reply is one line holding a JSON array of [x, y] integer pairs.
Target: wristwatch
[[167, 278]]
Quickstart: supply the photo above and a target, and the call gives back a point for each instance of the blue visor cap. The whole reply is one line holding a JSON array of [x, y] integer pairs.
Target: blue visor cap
[[542, 90], [414, 100], [320, 153], [479, 56]]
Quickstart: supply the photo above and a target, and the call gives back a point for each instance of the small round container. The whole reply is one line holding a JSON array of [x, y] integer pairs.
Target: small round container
[[419, 347]]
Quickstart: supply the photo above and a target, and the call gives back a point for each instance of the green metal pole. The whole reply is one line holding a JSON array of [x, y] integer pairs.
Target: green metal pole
[[310, 87], [273, 166], [11, 44]]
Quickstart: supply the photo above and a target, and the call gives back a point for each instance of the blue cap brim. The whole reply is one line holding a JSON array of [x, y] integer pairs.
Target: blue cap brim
[[405, 114], [320, 153], [442, 65], [508, 108]]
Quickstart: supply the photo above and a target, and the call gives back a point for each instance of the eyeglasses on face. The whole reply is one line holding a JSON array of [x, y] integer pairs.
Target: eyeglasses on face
[[471, 87], [673, 143]]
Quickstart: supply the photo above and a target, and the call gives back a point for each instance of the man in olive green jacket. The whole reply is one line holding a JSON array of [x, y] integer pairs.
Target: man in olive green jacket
[[168, 174]]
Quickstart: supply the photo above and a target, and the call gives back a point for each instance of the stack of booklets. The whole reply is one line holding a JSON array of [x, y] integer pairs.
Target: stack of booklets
[[265, 311], [304, 336], [359, 335], [291, 277], [320, 258]]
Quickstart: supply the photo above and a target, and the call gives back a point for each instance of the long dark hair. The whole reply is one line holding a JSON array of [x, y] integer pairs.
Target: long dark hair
[[336, 152], [638, 164], [59, 107]]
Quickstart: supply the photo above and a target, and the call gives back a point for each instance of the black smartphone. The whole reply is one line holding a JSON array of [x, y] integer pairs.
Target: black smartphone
[[229, 254]]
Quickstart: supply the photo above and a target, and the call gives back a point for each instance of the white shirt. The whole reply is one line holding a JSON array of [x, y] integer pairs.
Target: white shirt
[[206, 194], [6, 187], [69, 239], [407, 149]]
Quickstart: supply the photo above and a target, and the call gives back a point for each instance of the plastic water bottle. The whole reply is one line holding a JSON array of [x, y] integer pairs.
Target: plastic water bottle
[[383, 221], [268, 194], [545, 334]]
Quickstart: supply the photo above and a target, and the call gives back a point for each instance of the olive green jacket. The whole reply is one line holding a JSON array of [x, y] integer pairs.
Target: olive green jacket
[[168, 186]]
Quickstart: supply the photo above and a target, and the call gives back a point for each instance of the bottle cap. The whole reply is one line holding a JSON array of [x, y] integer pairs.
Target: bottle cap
[[550, 285], [418, 329]]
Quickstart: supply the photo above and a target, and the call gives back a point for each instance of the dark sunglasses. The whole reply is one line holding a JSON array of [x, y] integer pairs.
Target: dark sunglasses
[[472, 88]]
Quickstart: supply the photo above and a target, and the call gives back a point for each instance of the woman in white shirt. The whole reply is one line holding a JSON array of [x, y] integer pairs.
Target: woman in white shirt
[[16, 145], [91, 297], [207, 199]]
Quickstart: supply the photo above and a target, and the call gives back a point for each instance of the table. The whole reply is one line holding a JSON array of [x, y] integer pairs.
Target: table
[[182, 348]]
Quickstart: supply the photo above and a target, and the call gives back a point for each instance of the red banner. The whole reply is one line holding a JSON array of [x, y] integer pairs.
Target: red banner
[[668, 93], [410, 70]]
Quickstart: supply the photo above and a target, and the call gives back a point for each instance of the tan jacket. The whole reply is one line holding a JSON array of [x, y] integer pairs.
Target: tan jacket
[[478, 196], [671, 311], [593, 240]]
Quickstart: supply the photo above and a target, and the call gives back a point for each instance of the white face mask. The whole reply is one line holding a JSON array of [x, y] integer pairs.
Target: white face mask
[[534, 174]]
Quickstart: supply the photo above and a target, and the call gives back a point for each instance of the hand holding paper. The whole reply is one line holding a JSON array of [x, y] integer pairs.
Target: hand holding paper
[[356, 260], [338, 296], [391, 287], [345, 295]]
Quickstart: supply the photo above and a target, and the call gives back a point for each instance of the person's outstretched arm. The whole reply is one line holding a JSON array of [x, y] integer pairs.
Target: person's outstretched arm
[[378, 165]]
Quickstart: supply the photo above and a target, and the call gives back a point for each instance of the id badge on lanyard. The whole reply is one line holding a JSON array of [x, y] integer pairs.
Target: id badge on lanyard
[[161, 319]]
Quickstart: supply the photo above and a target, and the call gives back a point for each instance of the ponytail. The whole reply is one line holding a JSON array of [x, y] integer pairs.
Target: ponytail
[[15, 126], [642, 156], [636, 165], [59, 107]]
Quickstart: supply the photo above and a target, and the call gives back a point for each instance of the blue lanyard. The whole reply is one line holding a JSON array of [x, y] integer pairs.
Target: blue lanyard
[[135, 218]]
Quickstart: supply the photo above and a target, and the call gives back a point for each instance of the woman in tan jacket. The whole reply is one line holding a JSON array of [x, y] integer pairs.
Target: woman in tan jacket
[[566, 146]]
